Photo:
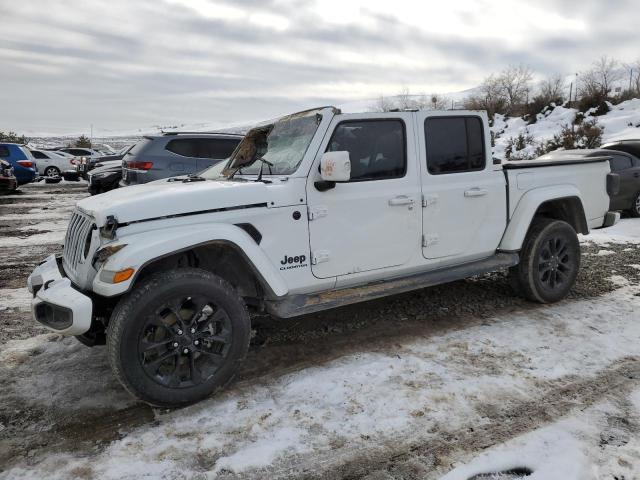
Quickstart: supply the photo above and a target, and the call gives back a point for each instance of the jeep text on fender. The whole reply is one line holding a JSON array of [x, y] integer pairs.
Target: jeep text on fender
[[313, 211]]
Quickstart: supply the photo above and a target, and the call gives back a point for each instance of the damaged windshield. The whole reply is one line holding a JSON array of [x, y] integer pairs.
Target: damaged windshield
[[282, 144]]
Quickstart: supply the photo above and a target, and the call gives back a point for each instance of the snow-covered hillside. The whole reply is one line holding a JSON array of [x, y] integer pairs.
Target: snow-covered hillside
[[622, 122]]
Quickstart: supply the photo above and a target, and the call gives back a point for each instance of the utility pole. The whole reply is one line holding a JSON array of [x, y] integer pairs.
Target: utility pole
[[630, 77], [91, 137], [570, 93]]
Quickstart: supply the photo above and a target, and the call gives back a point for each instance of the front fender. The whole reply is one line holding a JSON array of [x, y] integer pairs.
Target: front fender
[[143, 248], [525, 210]]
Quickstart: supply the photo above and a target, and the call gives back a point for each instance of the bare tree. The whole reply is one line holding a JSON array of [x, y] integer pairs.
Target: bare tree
[[435, 101], [489, 97], [404, 99], [382, 104], [515, 82], [599, 79], [552, 88]]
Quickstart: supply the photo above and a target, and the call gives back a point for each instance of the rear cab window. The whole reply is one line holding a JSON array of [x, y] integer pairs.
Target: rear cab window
[[214, 148]]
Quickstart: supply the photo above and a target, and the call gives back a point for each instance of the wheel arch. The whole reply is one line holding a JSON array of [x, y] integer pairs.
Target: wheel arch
[[558, 204], [223, 249]]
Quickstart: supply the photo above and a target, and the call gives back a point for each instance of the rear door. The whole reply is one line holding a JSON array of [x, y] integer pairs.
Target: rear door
[[464, 196]]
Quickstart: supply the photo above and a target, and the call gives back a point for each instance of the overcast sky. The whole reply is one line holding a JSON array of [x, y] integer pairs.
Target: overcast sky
[[122, 65]]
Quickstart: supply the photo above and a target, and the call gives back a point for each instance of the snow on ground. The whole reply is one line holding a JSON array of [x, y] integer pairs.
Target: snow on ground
[[18, 298], [415, 391], [627, 230], [573, 448], [622, 122]]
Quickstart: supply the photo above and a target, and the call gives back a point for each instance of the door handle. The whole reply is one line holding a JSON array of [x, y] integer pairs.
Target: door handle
[[636, 174], [476, 192], [401, 200]]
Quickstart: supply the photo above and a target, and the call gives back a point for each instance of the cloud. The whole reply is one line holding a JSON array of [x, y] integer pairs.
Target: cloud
[[122, 64]]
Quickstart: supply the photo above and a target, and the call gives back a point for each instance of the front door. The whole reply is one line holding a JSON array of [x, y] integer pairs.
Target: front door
[[464, 195], [372, 221]]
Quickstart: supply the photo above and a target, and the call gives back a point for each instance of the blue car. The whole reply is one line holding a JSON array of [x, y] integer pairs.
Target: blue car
[[20, 158]]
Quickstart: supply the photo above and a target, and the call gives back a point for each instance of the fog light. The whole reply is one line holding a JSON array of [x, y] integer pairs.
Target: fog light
[[54, 316]]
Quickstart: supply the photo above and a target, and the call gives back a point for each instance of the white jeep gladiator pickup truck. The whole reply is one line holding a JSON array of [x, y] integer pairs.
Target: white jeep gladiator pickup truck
[[312, 211]]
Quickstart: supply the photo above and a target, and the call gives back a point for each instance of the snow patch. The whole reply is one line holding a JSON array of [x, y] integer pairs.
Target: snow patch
[[15, 298]]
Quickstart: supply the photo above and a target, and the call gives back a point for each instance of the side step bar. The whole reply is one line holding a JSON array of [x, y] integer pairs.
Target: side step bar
[[301, 304]]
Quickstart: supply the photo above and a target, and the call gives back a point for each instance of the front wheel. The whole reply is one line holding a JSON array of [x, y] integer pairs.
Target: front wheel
[[178, 337], [549, 262]]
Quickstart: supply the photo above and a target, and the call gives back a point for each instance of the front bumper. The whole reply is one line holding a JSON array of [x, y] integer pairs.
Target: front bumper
[[56, 304]]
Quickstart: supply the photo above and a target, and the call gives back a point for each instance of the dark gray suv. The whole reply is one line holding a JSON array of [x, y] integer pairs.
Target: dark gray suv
[[173, 154]]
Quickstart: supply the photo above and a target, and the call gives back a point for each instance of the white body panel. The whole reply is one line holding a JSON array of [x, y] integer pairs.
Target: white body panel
[[363, 226], [464, 214], [530, 187]]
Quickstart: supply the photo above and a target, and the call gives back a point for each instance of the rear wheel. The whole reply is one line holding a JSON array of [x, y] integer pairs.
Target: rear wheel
[[549, 262], [178, 337], [51, 172], [634, 211]]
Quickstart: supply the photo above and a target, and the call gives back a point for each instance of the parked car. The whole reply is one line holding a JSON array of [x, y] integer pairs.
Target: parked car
[[105, 177], [81, 151], [8, 182], [20, 158], [50, 163], [629, 146], [627, 166], [174, 154], [317, 210], [89, 163]]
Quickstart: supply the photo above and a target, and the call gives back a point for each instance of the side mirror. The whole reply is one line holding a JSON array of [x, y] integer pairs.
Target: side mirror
[[335, 166]]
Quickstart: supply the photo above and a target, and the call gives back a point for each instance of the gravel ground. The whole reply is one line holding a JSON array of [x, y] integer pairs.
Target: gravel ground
[[277, 347]]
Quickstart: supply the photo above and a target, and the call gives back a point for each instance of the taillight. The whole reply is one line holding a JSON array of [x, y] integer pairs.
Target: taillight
[[25, 163], [140, 165], [74, 161]]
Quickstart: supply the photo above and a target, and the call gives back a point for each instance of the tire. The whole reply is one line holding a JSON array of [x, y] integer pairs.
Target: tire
[[51, 172], [549, 262], [634, 211], [192, 308]]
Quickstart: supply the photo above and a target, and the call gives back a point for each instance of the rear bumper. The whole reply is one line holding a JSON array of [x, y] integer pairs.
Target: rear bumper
[[610, 218], [56, 304], [8, 184]]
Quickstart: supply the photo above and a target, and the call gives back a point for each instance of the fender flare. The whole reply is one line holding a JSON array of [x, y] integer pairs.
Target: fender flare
[[527, 207], [146, 247]]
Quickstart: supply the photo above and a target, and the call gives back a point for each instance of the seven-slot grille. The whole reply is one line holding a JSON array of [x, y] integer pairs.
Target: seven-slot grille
[[79, 229]]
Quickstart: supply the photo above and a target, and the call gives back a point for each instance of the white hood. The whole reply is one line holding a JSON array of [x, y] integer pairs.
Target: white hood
[[159, 199]]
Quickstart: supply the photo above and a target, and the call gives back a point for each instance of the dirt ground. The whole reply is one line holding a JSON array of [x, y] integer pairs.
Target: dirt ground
[[59, 396]]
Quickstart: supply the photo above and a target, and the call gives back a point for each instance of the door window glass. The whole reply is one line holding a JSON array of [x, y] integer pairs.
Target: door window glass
[[619, 162], [377, 148], [454, 144]]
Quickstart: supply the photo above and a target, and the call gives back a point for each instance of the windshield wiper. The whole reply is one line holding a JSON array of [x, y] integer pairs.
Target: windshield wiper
[[262, 164], [193, 178]]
